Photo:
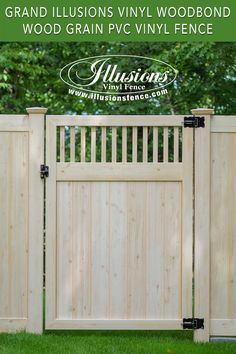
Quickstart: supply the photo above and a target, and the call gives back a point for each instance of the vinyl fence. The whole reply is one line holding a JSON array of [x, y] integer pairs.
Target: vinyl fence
[[131, 201]]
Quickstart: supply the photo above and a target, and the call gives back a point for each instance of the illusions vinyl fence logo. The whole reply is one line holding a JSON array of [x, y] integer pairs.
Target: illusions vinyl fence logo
[[118, 77]]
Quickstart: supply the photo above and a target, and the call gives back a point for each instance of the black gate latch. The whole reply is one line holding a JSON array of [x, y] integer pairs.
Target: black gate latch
[[194, 122], [193, 323], [44, 171]]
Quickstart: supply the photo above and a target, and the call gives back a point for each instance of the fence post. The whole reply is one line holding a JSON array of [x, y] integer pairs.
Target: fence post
[[202, 224], [35, 247]]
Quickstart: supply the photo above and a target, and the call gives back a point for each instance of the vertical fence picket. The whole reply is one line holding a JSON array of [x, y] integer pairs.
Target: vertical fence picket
[[83, 144], [93, 144], [124, 144], [176, 144], [166, 145], [72, 144], [145, 144], [114, 131], [134, 144], [62, 144], [155, 144], [104, 145]]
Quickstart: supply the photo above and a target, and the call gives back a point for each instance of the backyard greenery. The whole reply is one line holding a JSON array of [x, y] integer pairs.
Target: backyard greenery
[[29, 76], [102, 342], [119, 144]]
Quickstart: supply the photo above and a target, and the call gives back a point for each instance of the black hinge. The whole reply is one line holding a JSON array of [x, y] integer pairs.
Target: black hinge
[[193, 323], [194, 122], [44, 171]]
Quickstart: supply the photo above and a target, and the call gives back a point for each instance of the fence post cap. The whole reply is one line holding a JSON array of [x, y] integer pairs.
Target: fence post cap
[[36, 110], [203, 111]]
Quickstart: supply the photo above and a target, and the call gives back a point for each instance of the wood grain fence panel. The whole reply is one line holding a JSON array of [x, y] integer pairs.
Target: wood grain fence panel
[[14, 195], [118, 257], [223, 234], [21, 243]]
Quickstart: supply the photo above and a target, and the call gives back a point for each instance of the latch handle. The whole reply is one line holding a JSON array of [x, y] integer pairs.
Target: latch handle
[[44, 171]]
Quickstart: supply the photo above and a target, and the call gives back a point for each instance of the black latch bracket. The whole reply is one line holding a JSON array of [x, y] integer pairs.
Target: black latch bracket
[[194, 122], [44, 171], [193, 323]]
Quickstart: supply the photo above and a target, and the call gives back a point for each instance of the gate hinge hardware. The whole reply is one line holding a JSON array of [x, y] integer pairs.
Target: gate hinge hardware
[[194, 122], [193, 323], [44, 171]]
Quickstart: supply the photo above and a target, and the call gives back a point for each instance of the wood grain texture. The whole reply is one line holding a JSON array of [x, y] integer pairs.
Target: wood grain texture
[[119, 172], [145, 144], [117, 121], [176, 144], [14, 123], [202, 229], [118, 257], [114, 144], [223, 124], [166, 145], [62, 144], [124, 144], [108, 244], [104, 145], [134, 144], [155, 144], [64, 251], [118, 324], [14, 215], [223, 234], [72, 144], [83, 144], [187, 223], [36, 217], [21, 243], [93, 144], [51, 223], [223, 327]]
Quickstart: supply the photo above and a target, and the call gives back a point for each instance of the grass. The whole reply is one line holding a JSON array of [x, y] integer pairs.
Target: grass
[[102, 342], [108, 342]]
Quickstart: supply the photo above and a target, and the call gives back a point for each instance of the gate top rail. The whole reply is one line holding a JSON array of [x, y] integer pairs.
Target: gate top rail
[[122, 120]]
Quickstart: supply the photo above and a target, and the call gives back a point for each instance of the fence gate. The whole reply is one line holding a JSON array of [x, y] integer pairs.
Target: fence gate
[[119, 222]]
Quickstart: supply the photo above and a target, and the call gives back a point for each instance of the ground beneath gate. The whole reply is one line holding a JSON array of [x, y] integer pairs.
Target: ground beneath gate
[[101, 342]]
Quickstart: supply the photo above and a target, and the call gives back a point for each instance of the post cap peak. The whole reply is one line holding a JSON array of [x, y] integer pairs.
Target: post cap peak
[[202, 111], [36, 110]]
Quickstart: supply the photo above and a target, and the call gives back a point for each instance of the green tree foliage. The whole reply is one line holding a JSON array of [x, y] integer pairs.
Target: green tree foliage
[[29, 76]]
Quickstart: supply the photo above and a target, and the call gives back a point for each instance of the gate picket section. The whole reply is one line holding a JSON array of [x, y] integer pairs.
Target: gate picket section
[[119, 222]]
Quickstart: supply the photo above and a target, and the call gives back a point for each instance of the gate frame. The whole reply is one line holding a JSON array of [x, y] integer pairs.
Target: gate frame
[[187, 218]]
